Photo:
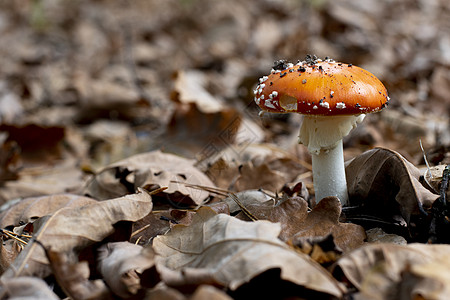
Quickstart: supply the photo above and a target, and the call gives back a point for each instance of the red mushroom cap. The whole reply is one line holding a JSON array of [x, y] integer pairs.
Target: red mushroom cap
[[316, 87]]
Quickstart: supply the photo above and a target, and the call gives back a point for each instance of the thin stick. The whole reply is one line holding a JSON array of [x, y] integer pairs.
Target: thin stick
[[140, 230], [241, 206], [13, 236], [158, 190], [425, 157], [218, 191], [444, 185]]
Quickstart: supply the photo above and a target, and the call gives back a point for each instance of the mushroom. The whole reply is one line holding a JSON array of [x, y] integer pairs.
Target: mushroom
[[333, 97]]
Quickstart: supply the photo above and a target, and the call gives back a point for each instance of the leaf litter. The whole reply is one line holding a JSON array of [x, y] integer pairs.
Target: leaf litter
[[102, 104], [214, 247]]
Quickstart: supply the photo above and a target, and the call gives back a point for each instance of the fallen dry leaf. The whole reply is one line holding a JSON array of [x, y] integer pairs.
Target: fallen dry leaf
[[385, 184], [261, 176], [36, 142], [153, 224], [324, 220], [159, 222], [121, 263], [9, 159], [29, 209], [248, 198], [151, 170], [209, 292], [10, 105], [190, 88], [290, 212], [321, 249], [297, 224], [381, 271], [163, 292], [433, 179], [248, 166], [377, 235], [222, 250], [8, 252], [26, 212], [185, 217], [111, 141], [73, 277], [63, 177], [222, 173], [26, 288], [71, 229], [193, 132], [106, 95], [427, 281]]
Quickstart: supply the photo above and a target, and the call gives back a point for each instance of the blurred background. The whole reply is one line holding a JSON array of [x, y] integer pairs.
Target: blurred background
[[87, 83]]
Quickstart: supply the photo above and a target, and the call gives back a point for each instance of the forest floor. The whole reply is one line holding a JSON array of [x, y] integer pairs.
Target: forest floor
[[134, 163]]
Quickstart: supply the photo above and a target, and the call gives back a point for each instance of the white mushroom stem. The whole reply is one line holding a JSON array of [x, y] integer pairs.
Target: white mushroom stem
[[329, 174], [323, 137]]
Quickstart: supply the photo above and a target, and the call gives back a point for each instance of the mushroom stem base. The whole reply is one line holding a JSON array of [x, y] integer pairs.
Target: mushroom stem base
[[329, 174]]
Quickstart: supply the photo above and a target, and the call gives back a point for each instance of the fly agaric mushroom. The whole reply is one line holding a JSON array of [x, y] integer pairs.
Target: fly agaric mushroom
[[334, 97]]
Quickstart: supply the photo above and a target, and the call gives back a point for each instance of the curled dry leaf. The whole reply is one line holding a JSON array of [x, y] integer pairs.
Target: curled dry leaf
[[433, 179], [185, 217], [225, 251], [298, 225], [429, 281], [73, 277], [386, 184], [27, 211], [159, 222], [379, 269], [121, 263], [163, 292], [151, 170], [70, 230], [209, 292], [8, 252], [324, 220], [26, 288], [290, 212]]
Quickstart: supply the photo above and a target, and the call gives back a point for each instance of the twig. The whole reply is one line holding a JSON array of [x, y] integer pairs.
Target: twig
[[156, 191], [425, 157], [444, 185], [242, 207], [15, 236], [140, 230], [217, 191]]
